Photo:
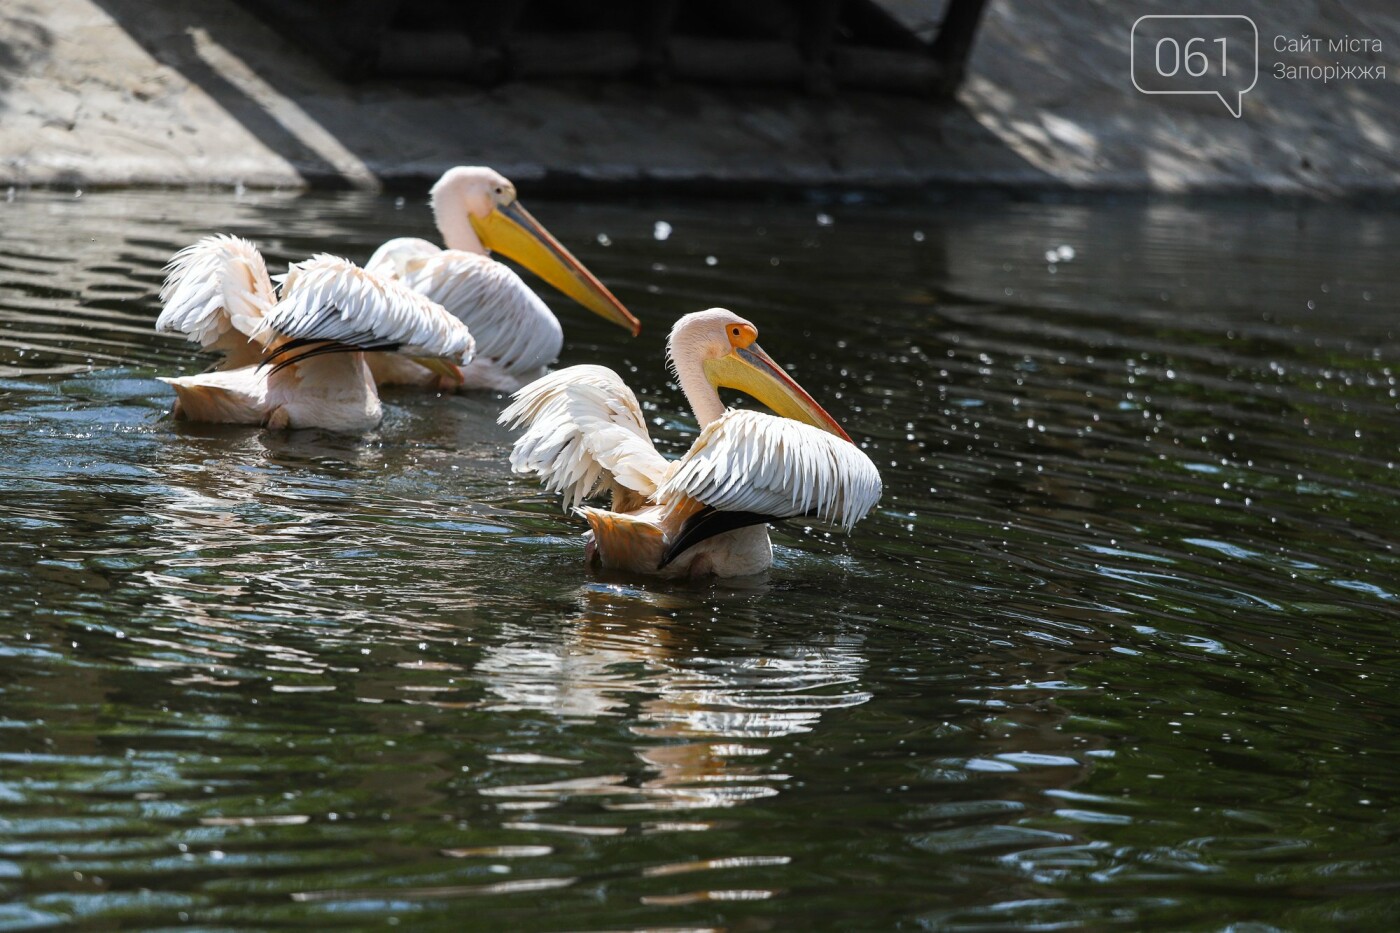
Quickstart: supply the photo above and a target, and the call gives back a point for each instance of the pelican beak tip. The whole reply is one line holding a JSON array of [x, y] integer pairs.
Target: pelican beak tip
[[754, 372]]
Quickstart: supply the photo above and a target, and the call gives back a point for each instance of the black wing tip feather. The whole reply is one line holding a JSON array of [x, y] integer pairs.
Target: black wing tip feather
[[291, 345], [707, 523], [321, 348]]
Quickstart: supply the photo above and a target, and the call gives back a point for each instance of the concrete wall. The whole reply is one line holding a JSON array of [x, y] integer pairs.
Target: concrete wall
[[111, 92]]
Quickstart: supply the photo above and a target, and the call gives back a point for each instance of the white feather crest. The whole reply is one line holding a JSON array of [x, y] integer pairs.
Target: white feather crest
[[329, 298], [584, 428], [747, 461], [218, 284]]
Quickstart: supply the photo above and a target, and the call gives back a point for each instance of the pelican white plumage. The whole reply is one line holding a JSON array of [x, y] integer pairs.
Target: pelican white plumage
[[707, 512], [476, 211], [297, 361]]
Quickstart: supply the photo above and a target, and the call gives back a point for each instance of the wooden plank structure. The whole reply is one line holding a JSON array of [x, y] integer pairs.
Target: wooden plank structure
[[817, 46]]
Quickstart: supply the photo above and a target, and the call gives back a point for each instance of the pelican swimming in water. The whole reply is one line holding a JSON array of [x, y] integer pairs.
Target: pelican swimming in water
[[517, 336], [297, 362], [707, 512]]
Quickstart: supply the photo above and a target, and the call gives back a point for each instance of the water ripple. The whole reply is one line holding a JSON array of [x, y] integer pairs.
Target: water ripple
[[1117, 649]]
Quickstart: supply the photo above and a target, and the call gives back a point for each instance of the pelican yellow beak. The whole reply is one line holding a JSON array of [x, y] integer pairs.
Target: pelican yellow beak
[[514, 233], [753, 372]]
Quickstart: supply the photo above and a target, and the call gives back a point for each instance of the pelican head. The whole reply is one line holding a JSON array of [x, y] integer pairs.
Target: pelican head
[[488, 201], [727, 347]]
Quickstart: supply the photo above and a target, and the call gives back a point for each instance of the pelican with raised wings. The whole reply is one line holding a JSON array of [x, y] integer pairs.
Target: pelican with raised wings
[[477, 211], [297, 361], [706, 513]]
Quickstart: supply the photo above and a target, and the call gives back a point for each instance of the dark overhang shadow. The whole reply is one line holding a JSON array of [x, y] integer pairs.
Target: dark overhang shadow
[[165, 32], [945, 144]]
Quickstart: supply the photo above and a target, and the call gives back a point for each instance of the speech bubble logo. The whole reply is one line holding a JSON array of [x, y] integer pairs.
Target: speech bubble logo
[[1181, 54]]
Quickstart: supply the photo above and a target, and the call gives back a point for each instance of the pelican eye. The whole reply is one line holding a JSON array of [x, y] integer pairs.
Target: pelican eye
[[742, 335]]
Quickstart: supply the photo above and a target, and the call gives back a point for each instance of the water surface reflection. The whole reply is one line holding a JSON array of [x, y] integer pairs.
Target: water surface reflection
[[1117, 649], [707, 725]]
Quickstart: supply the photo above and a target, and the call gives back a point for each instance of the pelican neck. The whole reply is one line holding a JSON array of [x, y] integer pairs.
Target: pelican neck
[[457, 231], [703, 398]]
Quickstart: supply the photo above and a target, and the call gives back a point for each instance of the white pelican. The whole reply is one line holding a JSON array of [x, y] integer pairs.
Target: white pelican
[[298, 362], [707, 512], [517, 336]]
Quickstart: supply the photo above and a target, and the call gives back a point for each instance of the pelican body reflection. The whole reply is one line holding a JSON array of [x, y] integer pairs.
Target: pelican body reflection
[[707, 726]]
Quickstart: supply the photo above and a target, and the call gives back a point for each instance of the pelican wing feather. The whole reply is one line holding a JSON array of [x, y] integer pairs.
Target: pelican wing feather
[[747, 461], [393, 257], [512, 326], [331, 299], [214, 287], [584, 433]]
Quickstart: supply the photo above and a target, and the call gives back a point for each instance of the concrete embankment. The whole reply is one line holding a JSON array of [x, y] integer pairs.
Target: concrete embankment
[[135, 92]]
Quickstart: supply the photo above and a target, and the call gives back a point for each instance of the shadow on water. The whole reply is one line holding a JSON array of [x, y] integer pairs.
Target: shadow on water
[[1116, 650]]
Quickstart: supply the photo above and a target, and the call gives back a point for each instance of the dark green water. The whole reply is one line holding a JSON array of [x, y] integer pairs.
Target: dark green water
[[1118, 650]]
